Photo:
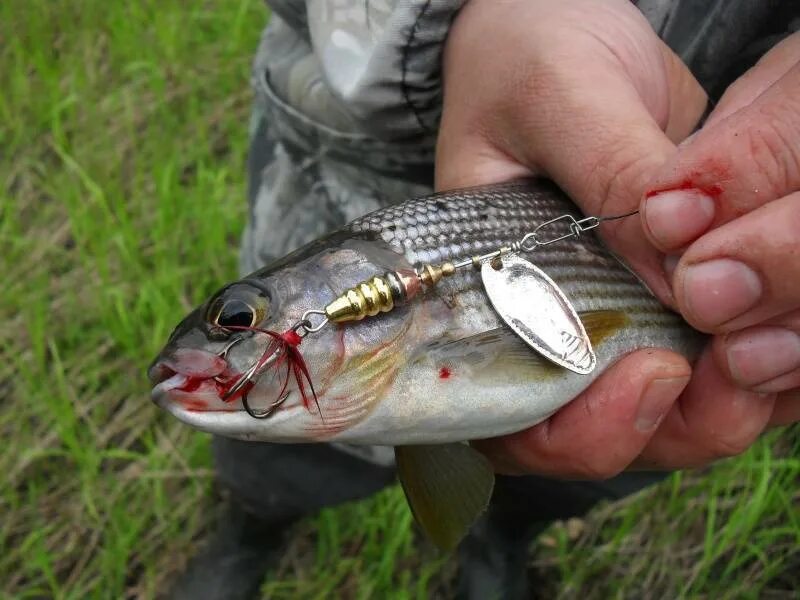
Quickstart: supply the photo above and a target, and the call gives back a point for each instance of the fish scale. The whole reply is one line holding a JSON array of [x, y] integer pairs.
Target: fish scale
[[479, 222], [510, 213]]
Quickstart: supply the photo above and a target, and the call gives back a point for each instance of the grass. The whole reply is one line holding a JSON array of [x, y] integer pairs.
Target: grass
[[123, 135]]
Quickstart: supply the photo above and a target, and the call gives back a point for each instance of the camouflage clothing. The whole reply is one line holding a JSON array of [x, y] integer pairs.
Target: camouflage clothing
[[348, 98], [347, 102]]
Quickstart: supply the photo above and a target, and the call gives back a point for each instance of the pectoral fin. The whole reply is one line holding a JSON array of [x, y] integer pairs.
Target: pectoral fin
[[501, 351], [601, 324], [447, 487]]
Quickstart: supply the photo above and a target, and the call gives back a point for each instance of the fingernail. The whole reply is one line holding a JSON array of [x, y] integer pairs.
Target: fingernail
[[677, 217], [719, 290], [670, 262], [657, 399], [763, 353], [780, 384]]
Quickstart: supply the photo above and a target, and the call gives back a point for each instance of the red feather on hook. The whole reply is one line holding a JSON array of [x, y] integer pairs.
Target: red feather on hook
[[286, 344]]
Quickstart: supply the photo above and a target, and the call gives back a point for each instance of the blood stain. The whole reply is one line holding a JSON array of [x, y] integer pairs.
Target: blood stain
[[192, 383], [445, 373], [195, 405], [713, 191]]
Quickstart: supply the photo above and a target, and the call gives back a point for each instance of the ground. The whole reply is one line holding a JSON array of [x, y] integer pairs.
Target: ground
[[123, 134]]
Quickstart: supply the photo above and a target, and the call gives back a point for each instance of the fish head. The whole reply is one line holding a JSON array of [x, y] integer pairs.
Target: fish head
[[201, 375]]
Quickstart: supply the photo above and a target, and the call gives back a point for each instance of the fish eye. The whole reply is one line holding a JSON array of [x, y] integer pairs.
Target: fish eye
[[240, 305], [236, 313]]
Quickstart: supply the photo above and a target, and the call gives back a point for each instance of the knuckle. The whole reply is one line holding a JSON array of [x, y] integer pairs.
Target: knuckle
[[774, 147], [599, 467], [617, 176], [569, 461], [731, 444]]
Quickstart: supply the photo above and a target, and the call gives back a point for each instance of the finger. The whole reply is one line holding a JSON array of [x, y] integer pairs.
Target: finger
[[688, 102], [713, 419], [787, 409], [769, 69], [729, 168], [744, 272], [599, 433], [762, 358]]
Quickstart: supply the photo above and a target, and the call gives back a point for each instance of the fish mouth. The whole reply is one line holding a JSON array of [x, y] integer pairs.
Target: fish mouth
[[194, 393], [196, 390], [197, 402], [194, 364], [205, 410], [207, 393], [194, 379]]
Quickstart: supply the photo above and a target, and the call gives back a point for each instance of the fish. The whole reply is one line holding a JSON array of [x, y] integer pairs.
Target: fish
[[426, 376]]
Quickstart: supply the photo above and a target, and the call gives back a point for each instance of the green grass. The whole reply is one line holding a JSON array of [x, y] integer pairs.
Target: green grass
[[123, 136]]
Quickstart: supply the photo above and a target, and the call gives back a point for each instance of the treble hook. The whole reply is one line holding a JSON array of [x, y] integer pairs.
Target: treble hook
[[268, 411], [251, 373], [282, 347], [224, 352]]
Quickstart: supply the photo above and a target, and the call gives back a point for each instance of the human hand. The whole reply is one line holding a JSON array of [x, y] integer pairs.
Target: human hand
[[728, 218], [585, 93]]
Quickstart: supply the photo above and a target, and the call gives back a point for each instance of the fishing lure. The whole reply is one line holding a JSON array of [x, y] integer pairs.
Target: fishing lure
[[521, 293]]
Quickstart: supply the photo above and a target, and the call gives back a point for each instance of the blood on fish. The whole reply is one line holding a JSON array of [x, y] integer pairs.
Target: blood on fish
[[192, 383], [195, 405], [221, 388], [445, 373]]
